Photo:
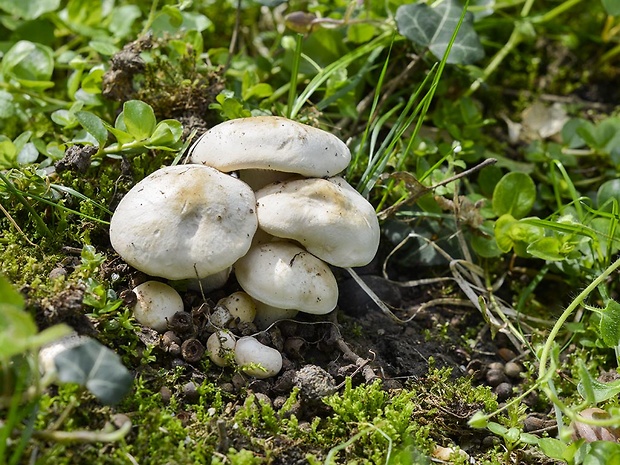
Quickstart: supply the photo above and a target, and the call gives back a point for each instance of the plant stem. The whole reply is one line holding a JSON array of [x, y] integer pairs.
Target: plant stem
[[292, 90], [544, 356]]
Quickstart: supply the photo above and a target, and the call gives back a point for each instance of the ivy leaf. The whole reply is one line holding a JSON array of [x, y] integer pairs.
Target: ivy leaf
[[433, 27], [96, 367]]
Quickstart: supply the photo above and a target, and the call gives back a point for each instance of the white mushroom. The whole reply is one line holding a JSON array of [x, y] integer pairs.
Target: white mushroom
[[256, 359], [284, 275], [240, 306], [186, 221], [211, 282], [219, 345], [326, 216], [156, 304], [273, 143], [266, 315]]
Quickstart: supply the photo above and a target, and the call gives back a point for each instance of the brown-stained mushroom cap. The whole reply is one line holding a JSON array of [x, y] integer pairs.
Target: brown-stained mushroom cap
[[186, 221], [271, 143]]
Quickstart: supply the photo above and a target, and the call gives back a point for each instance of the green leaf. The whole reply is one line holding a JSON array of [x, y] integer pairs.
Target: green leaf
[[18, 331], [502, 232], [97, 368], [514, 194], [167, 134], [612, 7], [610, 324], [547, 248], [478, 420], [94, 125], [139, 119], [28, 9], [29, 63], [122, 18], [553, 448], [595, 391], [9, 296], [433, 27]]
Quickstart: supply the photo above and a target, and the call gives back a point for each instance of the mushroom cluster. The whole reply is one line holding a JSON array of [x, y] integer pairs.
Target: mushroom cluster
[[261, 196]]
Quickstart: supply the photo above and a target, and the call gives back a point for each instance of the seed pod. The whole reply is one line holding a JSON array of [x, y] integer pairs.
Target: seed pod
[[192, 350], [182, 324]]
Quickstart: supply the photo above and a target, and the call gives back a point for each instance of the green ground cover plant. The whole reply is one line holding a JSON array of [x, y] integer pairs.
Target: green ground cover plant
[[485, 134]]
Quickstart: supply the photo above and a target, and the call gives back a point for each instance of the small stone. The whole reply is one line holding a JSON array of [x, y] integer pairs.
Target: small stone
[[532, 423], [503, 391], [495, 366], [279, 402], [315, 383], [513, 370], [263, 399], [496, 377], [166, 394], [190, 392], [506, 354], [57, 273]]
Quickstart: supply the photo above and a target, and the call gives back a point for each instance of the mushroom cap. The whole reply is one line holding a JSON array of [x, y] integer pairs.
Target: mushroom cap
[[249, 351], [156, 304], [218, 345], [185, 221], [286, 276], [273, 143], [326, 216]]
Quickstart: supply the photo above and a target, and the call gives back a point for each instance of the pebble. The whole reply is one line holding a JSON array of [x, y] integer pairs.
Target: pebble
[[513, 370], [314, 383], [506, 354], [503, 391], [263, 399], [190, 392], [496, 377]]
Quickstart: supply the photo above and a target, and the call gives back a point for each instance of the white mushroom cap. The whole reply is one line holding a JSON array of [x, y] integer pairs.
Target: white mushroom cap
[[326, 216], [273, 143], [156, 304], [249, 351], [240, 305], [186, 221], [284, 275], [218, 345]]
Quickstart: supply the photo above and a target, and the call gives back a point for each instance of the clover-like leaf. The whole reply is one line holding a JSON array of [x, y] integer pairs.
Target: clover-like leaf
[[96, 367], [433, 27]]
